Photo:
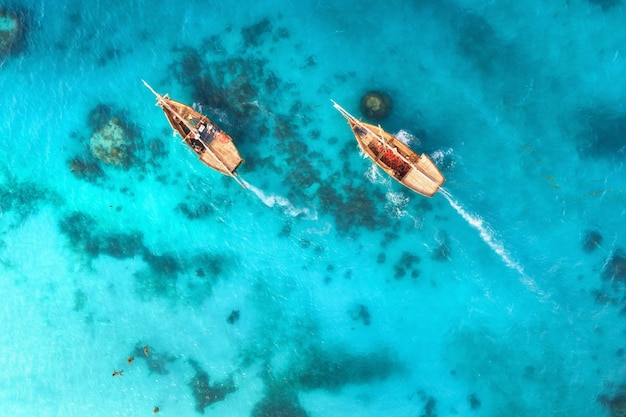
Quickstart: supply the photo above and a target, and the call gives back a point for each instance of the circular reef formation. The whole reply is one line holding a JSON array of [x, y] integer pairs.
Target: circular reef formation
[[10, 31], [376, 105], [111, 144]]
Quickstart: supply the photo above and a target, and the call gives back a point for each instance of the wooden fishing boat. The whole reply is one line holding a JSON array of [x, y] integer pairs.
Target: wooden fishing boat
[[416, 172], [213, 146]]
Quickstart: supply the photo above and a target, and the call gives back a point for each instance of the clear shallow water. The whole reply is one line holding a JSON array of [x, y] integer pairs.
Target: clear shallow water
[[354, 296]]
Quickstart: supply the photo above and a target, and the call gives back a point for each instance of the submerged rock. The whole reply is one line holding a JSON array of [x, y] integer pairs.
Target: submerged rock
[[616, 405], [233, 317], [591, 241], [615, 269], [376, 105], [361, 313], [429, 407], [111, 144], [474, 401], [10, 32]]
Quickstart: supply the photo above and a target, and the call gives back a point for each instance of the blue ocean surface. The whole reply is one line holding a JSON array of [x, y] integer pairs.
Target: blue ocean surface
[[146, 282]]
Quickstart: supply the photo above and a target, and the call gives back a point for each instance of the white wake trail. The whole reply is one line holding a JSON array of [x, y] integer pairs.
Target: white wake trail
[[272, 200], [488, 236]]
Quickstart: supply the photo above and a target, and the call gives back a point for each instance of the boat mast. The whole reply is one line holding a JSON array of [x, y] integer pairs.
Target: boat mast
[[161, 102]]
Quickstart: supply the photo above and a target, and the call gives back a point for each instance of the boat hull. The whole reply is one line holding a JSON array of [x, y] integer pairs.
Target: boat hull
[[416, 172], [222, 154]]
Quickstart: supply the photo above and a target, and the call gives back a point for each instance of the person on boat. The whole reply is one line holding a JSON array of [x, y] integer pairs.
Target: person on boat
[[379, 147], [197, 145], [359, 131]]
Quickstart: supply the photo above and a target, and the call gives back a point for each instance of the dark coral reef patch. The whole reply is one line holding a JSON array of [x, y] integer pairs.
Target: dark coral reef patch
[[214, 267], [430, 404], [331, 370], [474, 401], [86, 168], [86, 236], [591, 241], [319, 369], [205, 393], [279, 403], [358, 208], [81, 230], [159, 279], [615, 267], [361, 313], [375, 105], [481, 45], [604, 133], [233, 317], [155, 361], [407, 263], [114, 140], [226, 86], [24, 198], [14, 26], [254, 34], [102, 113], [613, 289], [194, 208], [615, 404]]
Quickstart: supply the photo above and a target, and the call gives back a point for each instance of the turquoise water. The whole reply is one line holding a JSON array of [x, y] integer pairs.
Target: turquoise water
[[325, 289]]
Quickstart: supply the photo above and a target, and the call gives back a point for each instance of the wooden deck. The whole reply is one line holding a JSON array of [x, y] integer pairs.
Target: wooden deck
[[222, 154], [214, 147]]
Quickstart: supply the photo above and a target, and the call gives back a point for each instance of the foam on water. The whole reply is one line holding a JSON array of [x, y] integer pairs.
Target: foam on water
[[272, 200], [438, 157], [407, 138], [374, 175], [396, 203], [489, 237]]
